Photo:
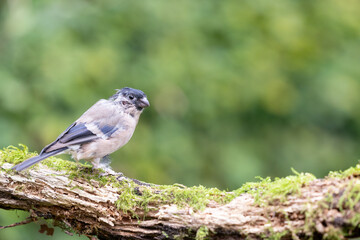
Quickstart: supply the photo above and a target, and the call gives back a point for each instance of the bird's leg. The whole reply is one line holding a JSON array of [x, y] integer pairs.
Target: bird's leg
[[104, 164]]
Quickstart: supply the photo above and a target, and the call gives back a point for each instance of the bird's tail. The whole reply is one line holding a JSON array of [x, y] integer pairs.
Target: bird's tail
[[31, 161]]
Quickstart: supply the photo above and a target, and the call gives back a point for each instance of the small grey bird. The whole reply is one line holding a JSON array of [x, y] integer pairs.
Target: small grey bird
[[102, 129]]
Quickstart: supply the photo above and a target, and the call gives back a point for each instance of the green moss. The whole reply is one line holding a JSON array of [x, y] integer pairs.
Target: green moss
[[355, 220], [71, 169], [345, 201], [352, 171], [128, 200], [134, 197], [202, 233], [275, 235], [350, 196], [180, 236], [333, 233], [266, 190], [165, 234], [76, 187], [15, 155], [198, 197]]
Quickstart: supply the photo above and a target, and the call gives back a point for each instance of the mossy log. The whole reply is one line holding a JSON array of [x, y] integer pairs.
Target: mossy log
[[296, 207]]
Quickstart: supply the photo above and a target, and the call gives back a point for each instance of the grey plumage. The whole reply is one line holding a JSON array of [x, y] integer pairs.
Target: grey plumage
[[101, 130]]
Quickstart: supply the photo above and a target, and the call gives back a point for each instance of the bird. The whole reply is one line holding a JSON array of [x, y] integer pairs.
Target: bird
[[101, 130]]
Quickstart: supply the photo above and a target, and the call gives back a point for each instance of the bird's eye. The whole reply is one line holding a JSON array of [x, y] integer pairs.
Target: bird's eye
[[131, 97]]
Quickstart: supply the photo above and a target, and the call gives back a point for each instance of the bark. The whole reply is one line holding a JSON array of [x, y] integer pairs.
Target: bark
[[323, 208]]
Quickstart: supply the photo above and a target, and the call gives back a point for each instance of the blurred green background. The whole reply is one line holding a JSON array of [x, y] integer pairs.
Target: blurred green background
[[238, 89]]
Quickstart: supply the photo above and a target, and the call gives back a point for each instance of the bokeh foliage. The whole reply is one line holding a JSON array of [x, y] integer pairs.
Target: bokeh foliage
[[238, 88]]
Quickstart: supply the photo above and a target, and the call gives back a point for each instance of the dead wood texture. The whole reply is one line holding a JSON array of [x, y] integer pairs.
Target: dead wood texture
[[320, 210]]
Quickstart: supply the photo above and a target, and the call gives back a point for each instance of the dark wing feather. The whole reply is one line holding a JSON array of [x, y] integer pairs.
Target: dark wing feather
[[107, 130], [77, 133]]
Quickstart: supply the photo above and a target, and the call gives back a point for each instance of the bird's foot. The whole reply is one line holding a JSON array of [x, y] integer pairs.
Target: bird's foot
[[110, 172], [137, 182], [121, 177]]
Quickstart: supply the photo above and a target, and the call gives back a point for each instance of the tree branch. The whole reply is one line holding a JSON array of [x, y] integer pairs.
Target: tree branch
[[314, 208]]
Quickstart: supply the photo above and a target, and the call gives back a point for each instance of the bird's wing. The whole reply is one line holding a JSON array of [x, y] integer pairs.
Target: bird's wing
[[77, 133], [99, 121]]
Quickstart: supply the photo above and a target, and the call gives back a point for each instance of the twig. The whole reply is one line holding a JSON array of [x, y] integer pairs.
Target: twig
[[28, 220]]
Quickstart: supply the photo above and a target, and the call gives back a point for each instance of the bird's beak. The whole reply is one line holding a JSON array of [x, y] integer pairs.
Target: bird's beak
[[143, 102]]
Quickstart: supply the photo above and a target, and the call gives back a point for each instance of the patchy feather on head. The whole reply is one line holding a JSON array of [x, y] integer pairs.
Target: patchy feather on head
[[130, 97]]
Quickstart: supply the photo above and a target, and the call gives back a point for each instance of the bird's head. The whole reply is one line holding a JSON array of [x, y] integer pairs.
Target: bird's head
[[131, 99]]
